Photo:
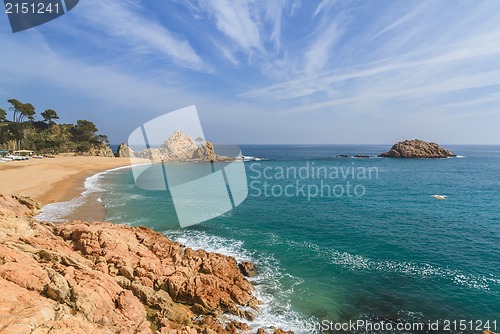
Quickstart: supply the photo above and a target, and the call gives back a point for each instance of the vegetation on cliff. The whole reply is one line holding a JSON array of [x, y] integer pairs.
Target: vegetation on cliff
[[20, 129]]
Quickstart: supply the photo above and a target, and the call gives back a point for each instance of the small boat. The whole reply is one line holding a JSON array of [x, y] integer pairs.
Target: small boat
[[440, 197]]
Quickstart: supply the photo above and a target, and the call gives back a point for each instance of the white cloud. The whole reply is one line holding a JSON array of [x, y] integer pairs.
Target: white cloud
[[273, 12], [233, 18], [122, 19], [319, 52], [402, 20]]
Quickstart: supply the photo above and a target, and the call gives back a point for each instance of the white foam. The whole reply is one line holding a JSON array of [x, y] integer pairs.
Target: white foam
[[55, 212], [409, 268], [356, 262], [276, 309]]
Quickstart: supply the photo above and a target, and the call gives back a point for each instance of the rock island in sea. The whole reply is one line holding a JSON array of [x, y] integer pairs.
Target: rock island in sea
[[417, 148]]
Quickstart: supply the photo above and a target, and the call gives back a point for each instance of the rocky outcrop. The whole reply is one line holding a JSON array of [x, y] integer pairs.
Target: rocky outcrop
[[181, 147], [247, 269], [124, 151], [417, 149], [101, 150], [80, 277], [205, 152]]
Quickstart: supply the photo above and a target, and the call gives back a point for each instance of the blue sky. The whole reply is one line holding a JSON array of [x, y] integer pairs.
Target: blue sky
[[327, 72]]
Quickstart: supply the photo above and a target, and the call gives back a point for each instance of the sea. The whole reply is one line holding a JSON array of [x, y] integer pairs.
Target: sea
[[346, 244]]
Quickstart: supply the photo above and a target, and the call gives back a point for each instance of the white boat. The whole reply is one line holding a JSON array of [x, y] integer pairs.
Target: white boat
[[440, 197], [17, 157]]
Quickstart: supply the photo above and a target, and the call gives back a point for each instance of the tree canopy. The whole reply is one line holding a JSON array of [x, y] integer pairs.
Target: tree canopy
[[49, 116], [21, 111], [25, 132]]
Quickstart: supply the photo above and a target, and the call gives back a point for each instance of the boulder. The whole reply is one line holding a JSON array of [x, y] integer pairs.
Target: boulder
[[247, 269], [417, 149], [124, 151]]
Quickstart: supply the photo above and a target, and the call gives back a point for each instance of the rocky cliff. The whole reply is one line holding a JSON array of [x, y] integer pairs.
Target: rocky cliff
[[80, 277], [417, 149]]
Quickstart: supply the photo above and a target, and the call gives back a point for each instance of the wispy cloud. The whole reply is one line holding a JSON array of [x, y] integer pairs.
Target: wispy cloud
[[306, 65], [319, 52], [274, 12], [122, 19], [402, 20], [233, 19]]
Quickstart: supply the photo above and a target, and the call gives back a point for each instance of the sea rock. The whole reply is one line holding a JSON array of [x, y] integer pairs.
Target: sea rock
[[80, 277], [205, 152], [180, 146], [247, 269], [280, 331], [124, 151], [417, 149]]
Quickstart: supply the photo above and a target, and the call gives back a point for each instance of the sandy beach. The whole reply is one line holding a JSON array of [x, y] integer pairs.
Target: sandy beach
[[51, 180]]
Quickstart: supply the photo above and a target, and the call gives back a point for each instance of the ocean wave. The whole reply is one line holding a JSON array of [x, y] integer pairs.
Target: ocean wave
[[356, 262], [55, 212], [276, 310], [409, 268]]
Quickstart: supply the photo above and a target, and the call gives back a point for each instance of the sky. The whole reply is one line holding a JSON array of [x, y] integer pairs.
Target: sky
[[268, 71]]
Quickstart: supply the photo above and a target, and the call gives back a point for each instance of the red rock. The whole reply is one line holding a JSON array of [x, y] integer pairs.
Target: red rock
[[247, 268], [100, 278]]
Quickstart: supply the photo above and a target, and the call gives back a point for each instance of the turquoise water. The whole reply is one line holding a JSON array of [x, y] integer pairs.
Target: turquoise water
[[391, 252]]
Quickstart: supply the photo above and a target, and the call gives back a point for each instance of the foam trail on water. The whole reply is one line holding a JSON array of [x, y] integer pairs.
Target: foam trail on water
[[356, 262]]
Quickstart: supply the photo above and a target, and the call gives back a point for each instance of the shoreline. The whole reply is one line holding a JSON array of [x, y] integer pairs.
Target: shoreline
[[60, 179], [89, 208]]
